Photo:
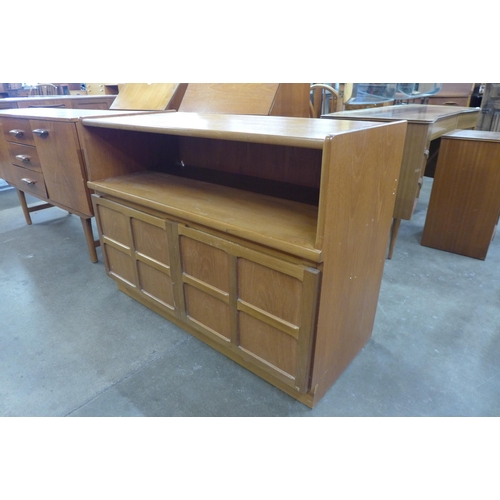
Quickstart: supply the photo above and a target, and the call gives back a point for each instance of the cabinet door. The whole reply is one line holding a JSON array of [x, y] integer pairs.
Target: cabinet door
[[62, 164], [136, 250], [263, 308]]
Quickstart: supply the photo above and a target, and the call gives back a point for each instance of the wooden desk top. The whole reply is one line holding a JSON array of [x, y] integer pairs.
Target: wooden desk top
[[63, 114], [413, 113], [278, 130], [474, 135], [64, 97]]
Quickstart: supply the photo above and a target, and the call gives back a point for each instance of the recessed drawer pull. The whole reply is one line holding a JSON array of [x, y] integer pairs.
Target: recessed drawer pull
[[41, 132], [24, 158], [17, 133], [28, 181]]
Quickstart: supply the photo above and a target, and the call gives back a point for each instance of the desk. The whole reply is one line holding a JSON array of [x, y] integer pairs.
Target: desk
[[425, 124], [262, 236]]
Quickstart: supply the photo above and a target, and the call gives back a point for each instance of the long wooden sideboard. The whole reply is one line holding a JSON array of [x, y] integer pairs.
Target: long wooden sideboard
[[59, 101], [426, 123], [40, 154], [265, 237]]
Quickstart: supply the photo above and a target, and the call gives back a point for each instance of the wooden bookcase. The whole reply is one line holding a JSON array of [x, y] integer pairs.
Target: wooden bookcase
[[262, 236]]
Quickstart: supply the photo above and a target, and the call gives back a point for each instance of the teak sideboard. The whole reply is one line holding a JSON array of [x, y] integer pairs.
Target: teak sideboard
[[426, 123], [265, 237], [40, 154]]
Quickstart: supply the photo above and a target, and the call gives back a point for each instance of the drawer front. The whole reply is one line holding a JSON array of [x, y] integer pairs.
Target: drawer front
[[24, 156], [29, 181], [449, 101], [18, 130]]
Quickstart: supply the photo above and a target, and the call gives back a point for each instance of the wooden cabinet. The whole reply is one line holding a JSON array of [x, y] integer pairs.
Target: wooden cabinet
[[465, 201], [40, 154], [262, 236], [453, 94]]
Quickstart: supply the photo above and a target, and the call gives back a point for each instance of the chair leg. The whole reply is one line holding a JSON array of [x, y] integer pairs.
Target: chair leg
[[89, 237], [394, 234], [24, 206]]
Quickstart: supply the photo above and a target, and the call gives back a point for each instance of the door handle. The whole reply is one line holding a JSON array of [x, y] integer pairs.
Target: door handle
[[41, 132]]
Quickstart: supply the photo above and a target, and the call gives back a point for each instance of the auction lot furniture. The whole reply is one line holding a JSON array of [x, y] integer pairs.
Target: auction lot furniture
[[40, 154], [465, 200], [262, 236], [425, 124], [59, 101]]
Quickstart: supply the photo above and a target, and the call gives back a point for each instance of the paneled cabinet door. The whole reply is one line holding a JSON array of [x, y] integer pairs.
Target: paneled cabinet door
[[261, 307], [62, 166], [136, 250]]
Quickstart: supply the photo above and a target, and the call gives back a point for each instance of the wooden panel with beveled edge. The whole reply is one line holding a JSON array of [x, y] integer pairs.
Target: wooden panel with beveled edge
[[205, 262], [272, 346], [136, 249], [270, 290], [116, 240], [151, 253], [268, 314]]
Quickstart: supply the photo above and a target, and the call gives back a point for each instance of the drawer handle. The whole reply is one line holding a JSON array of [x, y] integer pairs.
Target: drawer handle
[[24, 158], [17, 132], [41, 132], [30, 182]]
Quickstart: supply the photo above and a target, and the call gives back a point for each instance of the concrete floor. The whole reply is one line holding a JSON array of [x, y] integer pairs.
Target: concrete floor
[[71, 344]]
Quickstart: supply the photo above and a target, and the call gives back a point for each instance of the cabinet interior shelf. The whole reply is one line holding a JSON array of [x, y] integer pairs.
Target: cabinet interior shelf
[[281, 224]]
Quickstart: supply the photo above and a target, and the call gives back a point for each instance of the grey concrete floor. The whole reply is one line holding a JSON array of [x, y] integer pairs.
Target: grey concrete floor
[[71, 344]]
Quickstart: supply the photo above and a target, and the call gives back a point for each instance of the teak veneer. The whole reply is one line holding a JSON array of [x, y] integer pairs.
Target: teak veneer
[[265, 237], [40, 154], [464, 206], [426, 123]]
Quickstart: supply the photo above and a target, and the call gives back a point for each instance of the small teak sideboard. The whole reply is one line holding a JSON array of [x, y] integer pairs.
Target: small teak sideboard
[[40, 154], [265, 237]]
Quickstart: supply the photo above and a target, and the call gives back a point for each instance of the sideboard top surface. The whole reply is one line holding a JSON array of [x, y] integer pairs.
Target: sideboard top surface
[[70, 97], [278, 130], [60, 113], [474, 135], [415, 113]]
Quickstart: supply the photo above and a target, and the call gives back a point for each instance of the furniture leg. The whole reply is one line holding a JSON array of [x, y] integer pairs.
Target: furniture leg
[[394, 234], [24, 206], [89, 237]]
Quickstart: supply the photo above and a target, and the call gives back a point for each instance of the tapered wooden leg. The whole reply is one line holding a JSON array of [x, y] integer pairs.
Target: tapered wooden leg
[[89, 237], [24, 206], [394, 234]]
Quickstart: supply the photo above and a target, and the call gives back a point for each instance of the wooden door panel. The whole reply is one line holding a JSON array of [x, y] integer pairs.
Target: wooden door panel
[[119, 265], [156, 284], [150, 240], [270, 290], [114, 225], [208, 311], [63, 168], [268, 344], [262, 306], [204, 262]]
